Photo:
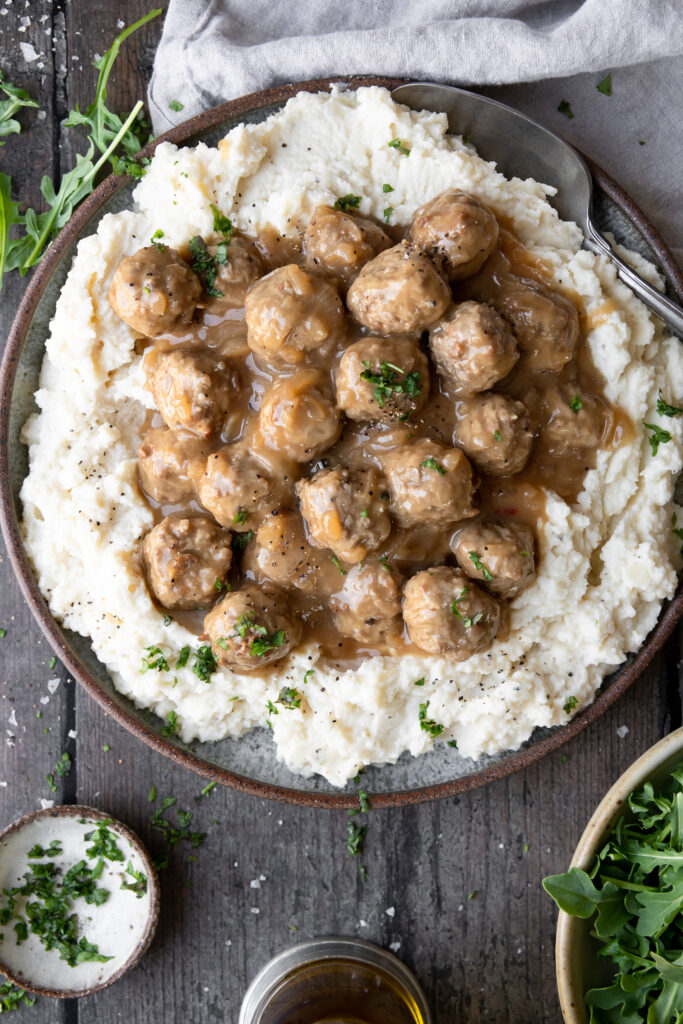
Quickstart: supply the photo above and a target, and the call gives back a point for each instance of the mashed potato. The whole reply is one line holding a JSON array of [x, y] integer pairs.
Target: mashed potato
[[608, 562]]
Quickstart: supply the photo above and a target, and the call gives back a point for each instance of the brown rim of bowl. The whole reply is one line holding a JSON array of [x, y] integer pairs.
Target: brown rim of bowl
[[10, 527], [83, 811]]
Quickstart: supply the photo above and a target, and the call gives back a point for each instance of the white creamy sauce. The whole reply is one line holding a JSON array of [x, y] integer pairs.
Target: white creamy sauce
[[116, 927], [607, 563]]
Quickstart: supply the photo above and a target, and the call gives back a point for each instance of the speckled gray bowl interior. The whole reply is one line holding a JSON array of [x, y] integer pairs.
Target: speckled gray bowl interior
[[253, 756]]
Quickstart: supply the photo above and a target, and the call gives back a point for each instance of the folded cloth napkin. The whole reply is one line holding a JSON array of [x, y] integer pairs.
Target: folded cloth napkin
[[214, 50]]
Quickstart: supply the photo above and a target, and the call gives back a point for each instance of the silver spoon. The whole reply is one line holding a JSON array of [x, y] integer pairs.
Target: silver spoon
[[521, 148]]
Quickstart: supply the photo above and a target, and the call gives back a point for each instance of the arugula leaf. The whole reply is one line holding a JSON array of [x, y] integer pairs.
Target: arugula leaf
[[16, 99], [573, 892]]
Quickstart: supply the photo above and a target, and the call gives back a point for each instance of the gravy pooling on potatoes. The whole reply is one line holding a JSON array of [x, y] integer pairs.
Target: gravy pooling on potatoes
[[330, 451]]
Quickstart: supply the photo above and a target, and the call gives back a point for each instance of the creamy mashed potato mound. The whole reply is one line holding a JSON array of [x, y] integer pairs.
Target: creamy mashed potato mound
[[608, 562]]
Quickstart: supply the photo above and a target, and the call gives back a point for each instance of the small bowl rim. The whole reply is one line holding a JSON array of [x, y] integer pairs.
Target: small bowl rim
[[85, 811], [570, 929], [186, 133]]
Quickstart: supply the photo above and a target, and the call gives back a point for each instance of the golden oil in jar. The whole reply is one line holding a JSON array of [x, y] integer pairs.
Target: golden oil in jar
[[335, 981]]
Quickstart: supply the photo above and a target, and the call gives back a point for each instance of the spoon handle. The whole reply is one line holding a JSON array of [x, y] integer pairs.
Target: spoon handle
[[668, 311]]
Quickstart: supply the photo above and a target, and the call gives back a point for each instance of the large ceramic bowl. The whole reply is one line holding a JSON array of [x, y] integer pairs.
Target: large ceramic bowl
[[250, 764], [576, 963]]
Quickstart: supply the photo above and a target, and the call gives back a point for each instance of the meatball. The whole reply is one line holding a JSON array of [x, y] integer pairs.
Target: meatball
[[500, 554], [191, 388], [545, 323], [281, 552], [238, 267], [572, 420], [186, 561], [382, 379], [298, 418], [251, 627], [236, 488], [344, 511], [456, 228], [289, 312], [399, 292], [429, 483], [165, 463], [445, 613], [473, 347], [339, 244], [155, 291], [368, 606], [495, 432]]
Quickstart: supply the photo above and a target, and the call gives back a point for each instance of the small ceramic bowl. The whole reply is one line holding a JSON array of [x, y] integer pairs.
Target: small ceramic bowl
[[46, 971], [576, 963]]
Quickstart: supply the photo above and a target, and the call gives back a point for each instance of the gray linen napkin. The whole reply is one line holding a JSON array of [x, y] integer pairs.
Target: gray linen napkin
[[214, 50]]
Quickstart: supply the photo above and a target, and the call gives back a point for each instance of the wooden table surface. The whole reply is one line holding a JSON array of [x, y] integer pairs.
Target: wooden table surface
[[270, 874]]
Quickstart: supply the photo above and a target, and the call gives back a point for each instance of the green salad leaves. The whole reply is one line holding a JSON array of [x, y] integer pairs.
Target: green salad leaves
[[24, 237], [634, 891]]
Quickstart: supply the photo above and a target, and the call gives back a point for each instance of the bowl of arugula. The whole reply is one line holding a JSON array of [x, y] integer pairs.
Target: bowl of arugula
[[619, 946]]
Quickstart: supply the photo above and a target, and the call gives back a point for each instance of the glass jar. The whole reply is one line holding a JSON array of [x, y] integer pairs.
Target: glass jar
[[334, 981]]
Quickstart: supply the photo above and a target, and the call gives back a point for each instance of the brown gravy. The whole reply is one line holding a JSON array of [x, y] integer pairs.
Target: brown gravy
[[520, 498]]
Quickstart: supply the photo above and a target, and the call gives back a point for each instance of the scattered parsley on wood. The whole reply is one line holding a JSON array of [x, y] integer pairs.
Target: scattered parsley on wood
[[174, 832], [479, 566], [576, 405], [431, 463], [3, 633], [633, 894], [399, 147], [428, 724], [347, 202], [664, 409], [605, 86], [659, 436], [52, 663], [12, 997], [565, 108]]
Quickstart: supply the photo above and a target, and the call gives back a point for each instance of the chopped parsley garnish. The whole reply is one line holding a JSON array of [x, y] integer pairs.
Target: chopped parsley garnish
[[399, 147], [565, 108], [244, 624], [218, 584], [497, 435], [664, 409], [387, 188], [262, 644], [347, 202], [204, 663], [205, 265], [384, 562], [365, 514], [11, 997], [387, 382], [221, 225], [658, 437], [152, 795], [156, 240], [355, 836], [174, 834], [240, 517], [388, 210], [171, 728], [183, 657], [605, 86], [576, 405], [167, 620], [289, 698], [338, 564], [138, 882], [465, 619], [53, 850], [52, 662], [176, 105], [428, 724], [270, 708], [420, 681], [570, 704], [103, 842], [431, 463], [207, 788], [240, 540], [453, 743], [106, 748], [479, 565], [307, 673], [3, 633], [155, 658]]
